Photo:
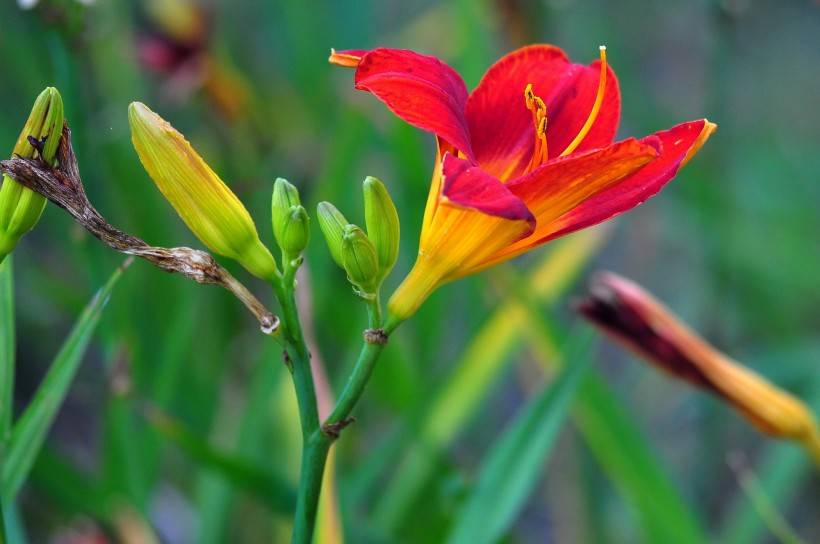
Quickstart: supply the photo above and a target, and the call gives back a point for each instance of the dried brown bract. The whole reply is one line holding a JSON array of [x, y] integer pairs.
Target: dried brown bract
[[62, 185]]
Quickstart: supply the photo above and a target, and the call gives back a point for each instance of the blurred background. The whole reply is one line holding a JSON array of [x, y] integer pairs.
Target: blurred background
[[181, 423]]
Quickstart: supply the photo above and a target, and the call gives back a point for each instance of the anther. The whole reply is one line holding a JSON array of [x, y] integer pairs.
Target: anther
[[538, 108]]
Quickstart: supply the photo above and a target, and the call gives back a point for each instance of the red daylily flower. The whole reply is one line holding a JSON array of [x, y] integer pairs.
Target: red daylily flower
[[527, 157]]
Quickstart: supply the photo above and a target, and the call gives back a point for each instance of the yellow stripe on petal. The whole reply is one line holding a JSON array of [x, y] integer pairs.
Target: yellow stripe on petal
[[210, 209]]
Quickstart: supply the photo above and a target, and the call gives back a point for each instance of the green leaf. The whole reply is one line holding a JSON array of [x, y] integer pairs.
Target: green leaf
[[620, 447], [624, 453], [511, 469], [30, 431], [3, 538], [6, 349], [781, 470], [274, 490], [481, 362]]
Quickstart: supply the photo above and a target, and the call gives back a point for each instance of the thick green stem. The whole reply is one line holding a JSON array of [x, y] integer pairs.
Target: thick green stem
[[375, 340], [314, 448], [316, 439]]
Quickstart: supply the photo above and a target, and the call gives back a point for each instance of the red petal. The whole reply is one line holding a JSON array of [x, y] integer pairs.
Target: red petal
[[678, 145], [501, 126], [470, 187], [420, 89]]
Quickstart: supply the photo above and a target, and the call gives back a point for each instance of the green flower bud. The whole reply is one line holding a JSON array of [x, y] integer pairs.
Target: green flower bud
[[20, 208], [295, 232], [382, 222], [285, 196], [333, 224], [360, 260]]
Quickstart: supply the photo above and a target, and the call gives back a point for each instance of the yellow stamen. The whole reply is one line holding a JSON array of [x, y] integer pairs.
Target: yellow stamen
[[596, 107], [539, 123]]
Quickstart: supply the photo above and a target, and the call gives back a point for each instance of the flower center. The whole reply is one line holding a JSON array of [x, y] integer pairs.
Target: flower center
[[539, 118]]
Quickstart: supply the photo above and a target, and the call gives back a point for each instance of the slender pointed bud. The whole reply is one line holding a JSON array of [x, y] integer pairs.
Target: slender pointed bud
[[295, 232], [382, 221], [633, 317], [20, 208], [285, 197], [333, 224], [360, 260], [210, 209]]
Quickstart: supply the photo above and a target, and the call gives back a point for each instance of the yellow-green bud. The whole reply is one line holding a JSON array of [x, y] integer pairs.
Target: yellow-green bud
[[285, 197], [360, 260], [210, 209], [333, 224], [293, 238], [20, 208], [382, 221]]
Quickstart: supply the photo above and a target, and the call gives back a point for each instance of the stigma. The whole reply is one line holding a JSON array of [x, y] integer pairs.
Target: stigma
[[596, 107]]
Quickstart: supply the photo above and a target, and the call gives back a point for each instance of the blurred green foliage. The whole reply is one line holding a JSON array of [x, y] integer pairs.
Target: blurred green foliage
[[731, 245]]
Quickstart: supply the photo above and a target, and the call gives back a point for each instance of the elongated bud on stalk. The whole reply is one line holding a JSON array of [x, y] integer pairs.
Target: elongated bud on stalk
[[633, 317], [360, 260], [382, 221], [333, 224], [295, 232], [20, 208], [209, 208], [285, 199]]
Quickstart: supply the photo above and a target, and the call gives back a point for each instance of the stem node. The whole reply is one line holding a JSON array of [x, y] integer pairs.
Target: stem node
[[333, 430], [375, 336]]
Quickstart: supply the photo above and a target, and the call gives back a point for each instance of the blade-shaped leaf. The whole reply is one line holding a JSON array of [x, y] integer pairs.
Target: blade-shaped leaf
[[275, 491], [630, 462], [29, 432], [619, 446], [6, 349], [512, 467], [481, 362], [3, 538]]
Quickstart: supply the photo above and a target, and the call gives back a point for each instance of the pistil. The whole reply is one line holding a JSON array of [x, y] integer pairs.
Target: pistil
[[596, 107]]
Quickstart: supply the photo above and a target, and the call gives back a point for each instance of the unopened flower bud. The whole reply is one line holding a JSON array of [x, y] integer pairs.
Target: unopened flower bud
[[295, 233], [360, 260], [382, 221], [333, 224], [210, 209], [20, 208], [285, 197], [633, 317]]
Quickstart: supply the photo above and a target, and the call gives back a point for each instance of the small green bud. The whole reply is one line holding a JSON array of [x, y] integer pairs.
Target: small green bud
[[333, 224], [360, 260], [382, 222], [285, 196], [20, 208], [293, 238]]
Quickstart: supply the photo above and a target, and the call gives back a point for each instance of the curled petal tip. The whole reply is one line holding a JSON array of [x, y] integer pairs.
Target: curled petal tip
[[349, 58]]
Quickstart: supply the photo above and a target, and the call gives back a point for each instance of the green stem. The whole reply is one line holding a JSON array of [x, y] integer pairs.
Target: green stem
[[316, 439], [314, 448], [365, 364]]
